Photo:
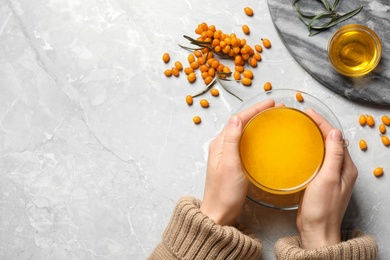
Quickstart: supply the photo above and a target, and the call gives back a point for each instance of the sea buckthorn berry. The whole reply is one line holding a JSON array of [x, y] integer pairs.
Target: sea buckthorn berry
[[385, 140], [246, 81], [194, 65], [178, 65], [203, 68], [363, 145], [198, 53], [226, 69], [204, 74], [248, 11], [362, 120], [299, 97], [197, 120], [208, 80], [237, 75], [191, 77], [257, 56], [370, 121], [188, 70], [211, 72], [191, 58], [247, 74], [253, 62], [386, 120], [204, 103], [378, 171], [168, 72], [258, 48], [382, 128], [266, 43], [245, 29], [267, 86], [189, 100], [214, 92], [175, 72], [166, 57], [239, 68]]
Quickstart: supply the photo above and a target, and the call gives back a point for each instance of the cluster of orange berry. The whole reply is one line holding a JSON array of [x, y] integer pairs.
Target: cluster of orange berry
[[370, 121], [213, 44]]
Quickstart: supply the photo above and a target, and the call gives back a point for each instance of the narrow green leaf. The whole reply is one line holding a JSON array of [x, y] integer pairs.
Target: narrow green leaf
[[339, 19], [326, 4], [336, 2], [315, 18], [206, 88]]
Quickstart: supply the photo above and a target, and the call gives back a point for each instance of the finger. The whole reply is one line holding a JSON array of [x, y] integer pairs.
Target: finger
[[334, 157], [350, 172], [247, 114], [231, 140], [322, 123]]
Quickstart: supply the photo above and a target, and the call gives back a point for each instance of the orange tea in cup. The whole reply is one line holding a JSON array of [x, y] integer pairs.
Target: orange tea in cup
[[281, 150]]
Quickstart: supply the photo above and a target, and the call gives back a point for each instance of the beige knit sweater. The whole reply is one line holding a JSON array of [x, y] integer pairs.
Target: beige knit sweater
[[192, 235]]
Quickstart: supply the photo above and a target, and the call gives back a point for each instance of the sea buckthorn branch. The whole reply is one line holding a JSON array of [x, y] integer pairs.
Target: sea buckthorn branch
[[329, 13]]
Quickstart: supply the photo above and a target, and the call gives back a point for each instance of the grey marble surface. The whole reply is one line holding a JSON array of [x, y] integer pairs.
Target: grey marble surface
[[97, 145], [311, 52]]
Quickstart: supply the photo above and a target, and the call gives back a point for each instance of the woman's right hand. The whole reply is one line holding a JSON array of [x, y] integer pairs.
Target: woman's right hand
[[326, 198]]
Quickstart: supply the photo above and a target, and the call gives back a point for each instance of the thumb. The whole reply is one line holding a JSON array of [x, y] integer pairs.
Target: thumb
[[232, 136], [334, 155]]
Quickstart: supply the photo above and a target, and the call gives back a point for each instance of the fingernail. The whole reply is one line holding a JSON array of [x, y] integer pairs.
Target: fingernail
[[233, 121], [336, 135]]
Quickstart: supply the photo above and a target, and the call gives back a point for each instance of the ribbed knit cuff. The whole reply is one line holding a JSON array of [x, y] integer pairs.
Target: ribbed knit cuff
[[192, 235], [354, 246]]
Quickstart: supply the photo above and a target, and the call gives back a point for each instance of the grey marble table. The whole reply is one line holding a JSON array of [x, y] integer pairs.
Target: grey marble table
[[97, 145], [311, 52]]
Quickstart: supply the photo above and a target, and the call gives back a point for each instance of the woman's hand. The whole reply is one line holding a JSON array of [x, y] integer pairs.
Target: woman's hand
[[226, 184], [325, 200]]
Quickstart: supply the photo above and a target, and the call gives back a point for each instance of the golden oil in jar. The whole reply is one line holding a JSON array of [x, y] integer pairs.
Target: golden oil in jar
[[354, 50]]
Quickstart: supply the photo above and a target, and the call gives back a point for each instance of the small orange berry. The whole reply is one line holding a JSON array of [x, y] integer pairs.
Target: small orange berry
[[208, 80], [197, 120], [248, 11], [386, 120], [204, 103], [378, 171], [267, 86], [299, 97], [189, 100], [370, 121], [175, 72], [168, 72], [258, 48], [178, 65], [246, 81], [247, 74], [257, 56], [245, 29], [385, 140], [266, 43], [191, 77], [214, 92], [166, 57], [188, 70], [253, 62], [382, 128], [363, 145], [237, 75], [362, 120]]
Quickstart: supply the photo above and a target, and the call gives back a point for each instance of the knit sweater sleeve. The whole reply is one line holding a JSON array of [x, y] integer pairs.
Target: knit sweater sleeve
[[354, 246], [192, 235]]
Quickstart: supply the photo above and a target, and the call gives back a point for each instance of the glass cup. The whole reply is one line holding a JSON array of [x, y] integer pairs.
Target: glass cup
[[354, 50], [282, 148]]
